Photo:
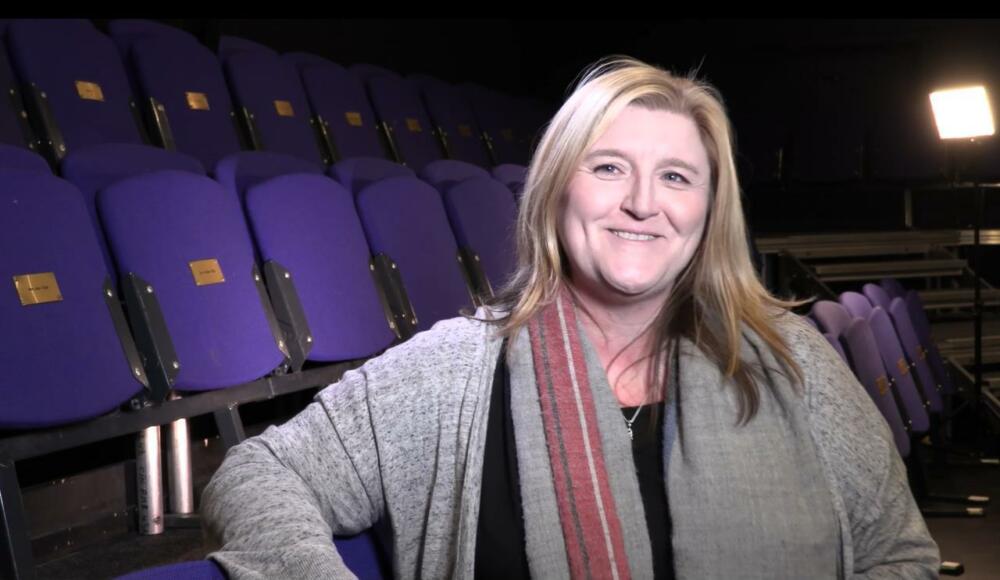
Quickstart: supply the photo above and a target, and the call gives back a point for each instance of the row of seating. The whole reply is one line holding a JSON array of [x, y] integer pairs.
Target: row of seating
[[228, 283], [883, 334]]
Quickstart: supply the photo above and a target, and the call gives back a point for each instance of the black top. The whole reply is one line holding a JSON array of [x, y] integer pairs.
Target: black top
[[500, 546]]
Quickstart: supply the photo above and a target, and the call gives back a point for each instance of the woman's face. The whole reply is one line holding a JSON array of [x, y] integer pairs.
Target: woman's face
[[634, 211]]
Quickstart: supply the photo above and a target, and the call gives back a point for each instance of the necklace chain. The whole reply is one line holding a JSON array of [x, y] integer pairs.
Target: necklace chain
[[629, 422]]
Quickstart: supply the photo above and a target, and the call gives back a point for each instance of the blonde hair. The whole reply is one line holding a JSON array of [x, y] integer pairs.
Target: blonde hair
[[718, 292]]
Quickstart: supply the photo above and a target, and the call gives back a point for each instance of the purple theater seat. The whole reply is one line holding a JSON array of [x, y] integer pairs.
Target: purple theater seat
[[270, 90], [511, 174], [76, 362], [877, 295], [453, 116], [230, 45], [358, 173], [186, 79], [12, 125], [894, 360], [366, 72], [303, 59], [319, 240], [917, 354], [158, 226], [197, 570], [870, 371], [918, 316], [82, 75], [397, 103], [338, 97], [495, 117], [405, 219], [857, 304], [482, 216], [445, 173], [892, 287], [94, 168], [831, 317], [15, 158], [240, 171]]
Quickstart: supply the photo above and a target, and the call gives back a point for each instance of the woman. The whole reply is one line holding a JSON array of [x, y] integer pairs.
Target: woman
[[642, 404]]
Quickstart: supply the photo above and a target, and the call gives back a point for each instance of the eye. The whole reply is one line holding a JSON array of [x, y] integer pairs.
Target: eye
[[607, 170], [674, 177]]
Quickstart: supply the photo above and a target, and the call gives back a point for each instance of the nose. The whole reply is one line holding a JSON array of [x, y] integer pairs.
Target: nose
[[640, 202]]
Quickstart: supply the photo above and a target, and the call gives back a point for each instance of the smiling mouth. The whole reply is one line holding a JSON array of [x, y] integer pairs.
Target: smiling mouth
[[634, 236]]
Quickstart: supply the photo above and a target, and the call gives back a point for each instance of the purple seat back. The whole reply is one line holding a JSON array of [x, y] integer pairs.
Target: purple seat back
[[11, 131], [495, 118], [856, 304], [870, 371], [405, 219], [186, 78], [17, 158], [339, 98], [360, 172], [220, 330], [304, 59], [894, 360], [511, 174], [397, 104], [230, 45], [269, 88], [922, 326], [197, 570], [76, 363], [917, 355], [366, 72], [125, 31], [832, 317], [80, 71], [445, 173], [834, 342], [240, 171], [877, 295], [892, 287], [482, 215], [321, 243], [451, 114]]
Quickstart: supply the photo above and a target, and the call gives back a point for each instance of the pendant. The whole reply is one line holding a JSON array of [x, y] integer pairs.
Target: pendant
[[629, 427]]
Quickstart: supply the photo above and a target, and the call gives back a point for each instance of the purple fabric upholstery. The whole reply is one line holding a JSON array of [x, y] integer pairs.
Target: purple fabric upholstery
[[21, 159], [405, 219], [918, 356], [358, 173], [239, 171], [197, 570], [397, 103], [125, 31], [870, 371], [308, 224], [495, 118], [304, 59], [339, 98], [157, 225], [922, 326], [894, 360], [877, 295], [451, 113], [63, 359], [230, 45], [482, 216], [167, 68], [445, 173], [832, 317], [892, 287], [54, 55], [97, 167], [511, 174], [834, 342], [857, 304], [366, 72], [259, 81]]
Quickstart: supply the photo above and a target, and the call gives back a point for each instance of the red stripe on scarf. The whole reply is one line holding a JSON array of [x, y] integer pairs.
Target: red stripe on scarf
[[573, 483]]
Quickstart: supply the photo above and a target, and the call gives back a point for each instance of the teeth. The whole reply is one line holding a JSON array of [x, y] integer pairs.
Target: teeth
[[632, 236]]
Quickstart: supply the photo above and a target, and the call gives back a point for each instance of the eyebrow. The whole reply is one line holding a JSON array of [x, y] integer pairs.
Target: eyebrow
[[672, 161]]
